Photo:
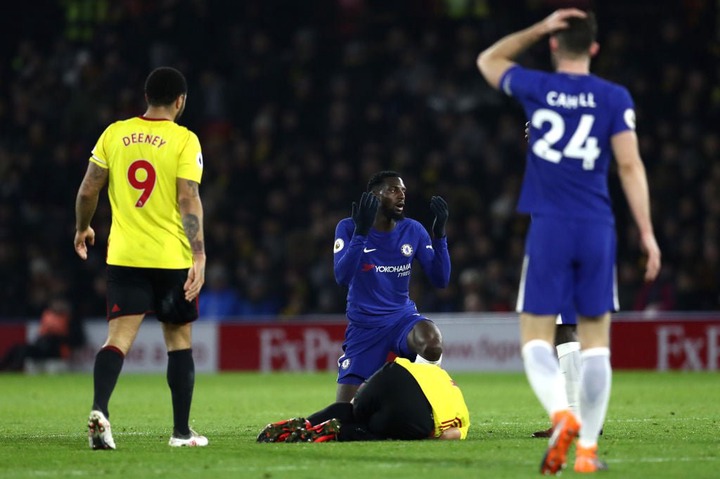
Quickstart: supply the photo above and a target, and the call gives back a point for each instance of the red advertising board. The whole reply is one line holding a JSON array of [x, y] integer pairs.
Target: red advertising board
[[473, 342], [680, 341], [280, 346], [10, 335], [673, 341]]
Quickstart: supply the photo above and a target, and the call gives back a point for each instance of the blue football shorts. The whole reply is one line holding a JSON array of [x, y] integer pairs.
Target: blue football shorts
[[567, 316], [569, 266], [365, 350]]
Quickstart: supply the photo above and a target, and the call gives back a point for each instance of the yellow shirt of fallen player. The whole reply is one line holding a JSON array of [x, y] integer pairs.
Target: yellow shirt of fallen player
[[445, 398], [145, 157]]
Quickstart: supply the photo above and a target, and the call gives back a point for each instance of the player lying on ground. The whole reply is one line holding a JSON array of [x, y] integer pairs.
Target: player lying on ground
[[403, 400]]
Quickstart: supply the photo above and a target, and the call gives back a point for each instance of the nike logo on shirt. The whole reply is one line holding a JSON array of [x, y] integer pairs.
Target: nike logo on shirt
[[366, 250]]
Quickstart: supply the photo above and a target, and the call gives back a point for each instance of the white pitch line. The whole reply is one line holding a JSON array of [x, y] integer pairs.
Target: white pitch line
[[664, 459], [608, 420]]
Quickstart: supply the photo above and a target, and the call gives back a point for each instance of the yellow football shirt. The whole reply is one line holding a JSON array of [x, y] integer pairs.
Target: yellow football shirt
[[144, 158], [445, 398]]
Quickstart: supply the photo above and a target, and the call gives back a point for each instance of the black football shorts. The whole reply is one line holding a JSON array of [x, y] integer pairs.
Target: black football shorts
[[155, 291], [393, 405]]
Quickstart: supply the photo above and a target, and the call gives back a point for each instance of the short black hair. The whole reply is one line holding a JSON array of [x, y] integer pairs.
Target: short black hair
[[579, 35], [379, 177], [164, 85]]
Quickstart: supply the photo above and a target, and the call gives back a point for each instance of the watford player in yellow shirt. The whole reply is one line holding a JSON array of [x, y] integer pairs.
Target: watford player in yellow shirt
[[402, 400], [156, 250]]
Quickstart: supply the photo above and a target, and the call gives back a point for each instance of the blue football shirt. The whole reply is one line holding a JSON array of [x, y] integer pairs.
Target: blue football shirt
[[572, 118], [376, 268]]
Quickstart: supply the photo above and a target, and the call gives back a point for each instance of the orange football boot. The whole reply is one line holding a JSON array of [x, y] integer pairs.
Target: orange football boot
[[565, 429]]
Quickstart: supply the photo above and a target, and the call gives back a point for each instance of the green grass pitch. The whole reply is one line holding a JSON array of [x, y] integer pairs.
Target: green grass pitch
[[660, 425]]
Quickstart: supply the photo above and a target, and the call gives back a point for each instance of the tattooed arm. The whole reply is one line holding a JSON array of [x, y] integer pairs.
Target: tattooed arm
[[191, 211], [85, 205]]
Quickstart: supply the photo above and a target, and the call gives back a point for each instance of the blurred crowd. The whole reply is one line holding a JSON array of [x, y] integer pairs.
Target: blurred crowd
[[297, 103]]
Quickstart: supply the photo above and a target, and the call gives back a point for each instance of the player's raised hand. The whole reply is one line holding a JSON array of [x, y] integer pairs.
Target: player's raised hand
[[88, 235], [363, 213], [439, 208], [558, 19]]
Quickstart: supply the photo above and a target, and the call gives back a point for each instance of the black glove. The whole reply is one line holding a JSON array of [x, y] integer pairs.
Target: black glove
[[364, 215], [440, 209]]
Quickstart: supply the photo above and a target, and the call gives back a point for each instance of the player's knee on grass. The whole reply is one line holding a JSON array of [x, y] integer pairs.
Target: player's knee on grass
[[425, 339]]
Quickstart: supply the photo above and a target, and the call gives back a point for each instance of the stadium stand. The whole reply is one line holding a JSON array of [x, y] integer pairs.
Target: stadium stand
[[295, 110]]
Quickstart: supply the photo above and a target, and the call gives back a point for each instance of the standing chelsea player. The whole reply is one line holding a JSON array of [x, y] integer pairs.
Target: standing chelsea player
[[156, 249], [578, 122], [373, 255]]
